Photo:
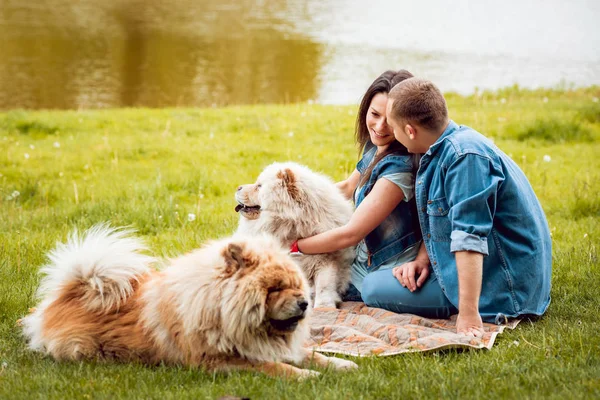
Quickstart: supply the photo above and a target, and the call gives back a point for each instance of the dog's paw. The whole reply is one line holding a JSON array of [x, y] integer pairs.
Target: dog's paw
[[325, 304], [307, 373], [327, 300], [341, 364]]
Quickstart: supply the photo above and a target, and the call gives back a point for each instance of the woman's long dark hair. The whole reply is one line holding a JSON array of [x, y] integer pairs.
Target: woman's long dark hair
[[383, 84]]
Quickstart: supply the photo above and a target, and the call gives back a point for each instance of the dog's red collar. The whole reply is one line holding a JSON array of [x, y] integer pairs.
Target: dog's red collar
[[294, 248]]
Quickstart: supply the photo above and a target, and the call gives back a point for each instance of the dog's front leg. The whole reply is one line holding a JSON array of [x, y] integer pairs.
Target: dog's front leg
[[314, 358], [270, 368], [326, 283]]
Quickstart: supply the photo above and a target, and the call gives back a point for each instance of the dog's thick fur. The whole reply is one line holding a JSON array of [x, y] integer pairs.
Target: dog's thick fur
[[289, 201], [233, 304]]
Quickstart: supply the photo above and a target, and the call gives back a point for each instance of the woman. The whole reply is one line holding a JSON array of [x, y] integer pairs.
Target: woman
[[384, 226]]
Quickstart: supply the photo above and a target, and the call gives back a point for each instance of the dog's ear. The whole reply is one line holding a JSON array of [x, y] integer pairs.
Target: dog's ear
[[289, 180], [287, 176], [233, 256]]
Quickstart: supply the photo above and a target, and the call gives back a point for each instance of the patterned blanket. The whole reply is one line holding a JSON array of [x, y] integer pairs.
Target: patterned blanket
[[357, 330]]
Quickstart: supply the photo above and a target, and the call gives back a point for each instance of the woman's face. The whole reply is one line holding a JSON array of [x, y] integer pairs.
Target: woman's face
[[380, 132]]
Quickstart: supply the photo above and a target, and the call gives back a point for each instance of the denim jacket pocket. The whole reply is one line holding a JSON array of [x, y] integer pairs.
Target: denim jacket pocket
[[438, 207], [439, 223]]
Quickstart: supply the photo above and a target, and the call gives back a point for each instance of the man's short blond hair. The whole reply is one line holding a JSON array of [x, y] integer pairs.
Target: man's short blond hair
[[419, 102]]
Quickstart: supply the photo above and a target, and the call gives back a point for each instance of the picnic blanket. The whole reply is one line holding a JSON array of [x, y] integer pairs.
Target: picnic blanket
[[357, 330]]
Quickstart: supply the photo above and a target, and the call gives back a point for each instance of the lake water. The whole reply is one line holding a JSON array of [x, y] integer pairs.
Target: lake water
[[159, 53]]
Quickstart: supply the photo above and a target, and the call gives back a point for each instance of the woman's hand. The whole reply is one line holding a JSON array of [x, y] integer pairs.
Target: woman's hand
[[406, 274]]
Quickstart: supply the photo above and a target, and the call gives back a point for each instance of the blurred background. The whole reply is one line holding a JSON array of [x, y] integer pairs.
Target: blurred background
[[74, 54]]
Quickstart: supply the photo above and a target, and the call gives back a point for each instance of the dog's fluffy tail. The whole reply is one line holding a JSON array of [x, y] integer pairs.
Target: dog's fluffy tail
[[103, 264]]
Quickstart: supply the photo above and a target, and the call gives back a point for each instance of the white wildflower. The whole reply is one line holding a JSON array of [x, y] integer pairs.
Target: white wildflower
[[595, 99], [311, 101], [12, 196], [586, 235], [27, 156], [212, 135], [31, 146], [303, 114], [191, 217], [160, 217], [86, 166], [501, 119], [547, 158], [60, 174], [545, 99], [201, 195], [503, 100], [56, 144], [290, 134]]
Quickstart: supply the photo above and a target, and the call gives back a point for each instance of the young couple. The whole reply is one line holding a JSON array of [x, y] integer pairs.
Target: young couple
[[445, 222]]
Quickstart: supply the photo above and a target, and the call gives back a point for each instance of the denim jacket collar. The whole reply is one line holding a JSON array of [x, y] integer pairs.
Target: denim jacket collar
[[452, 126]]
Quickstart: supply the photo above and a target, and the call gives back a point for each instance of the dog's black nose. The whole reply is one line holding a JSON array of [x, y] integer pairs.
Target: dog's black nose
[[303, 304]]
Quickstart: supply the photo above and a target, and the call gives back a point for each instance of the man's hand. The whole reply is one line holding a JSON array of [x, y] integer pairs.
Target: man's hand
[[406, 274], [470, 266], [469, 324]]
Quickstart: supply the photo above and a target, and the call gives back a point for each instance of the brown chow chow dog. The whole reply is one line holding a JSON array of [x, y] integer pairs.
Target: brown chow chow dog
[[290, 202], [234, 304]]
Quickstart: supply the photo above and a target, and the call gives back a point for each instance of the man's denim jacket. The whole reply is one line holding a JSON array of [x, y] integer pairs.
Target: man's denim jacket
[[400, 229], [473, 197]]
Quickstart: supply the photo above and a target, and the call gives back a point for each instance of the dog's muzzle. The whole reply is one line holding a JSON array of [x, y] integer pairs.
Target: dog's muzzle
[[289, 324], [248, 212], [245, 208]]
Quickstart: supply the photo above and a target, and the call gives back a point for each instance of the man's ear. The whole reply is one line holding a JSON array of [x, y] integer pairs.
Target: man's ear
[[410, 131]]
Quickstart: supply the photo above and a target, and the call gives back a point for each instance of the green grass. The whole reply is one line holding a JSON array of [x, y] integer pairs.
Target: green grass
[[151, 168]]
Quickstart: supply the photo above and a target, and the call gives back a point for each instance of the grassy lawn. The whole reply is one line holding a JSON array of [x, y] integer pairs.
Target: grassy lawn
[[153, 168]]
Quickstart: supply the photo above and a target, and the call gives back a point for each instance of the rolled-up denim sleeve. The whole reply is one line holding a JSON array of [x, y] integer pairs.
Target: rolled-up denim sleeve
[[471, 188]]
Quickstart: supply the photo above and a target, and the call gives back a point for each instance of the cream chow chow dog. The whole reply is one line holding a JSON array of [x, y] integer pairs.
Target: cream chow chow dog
[[233, 304], [289, 201]]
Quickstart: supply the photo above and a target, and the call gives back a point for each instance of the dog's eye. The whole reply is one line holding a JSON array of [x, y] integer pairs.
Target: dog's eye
[[259, 186], [274, 289]]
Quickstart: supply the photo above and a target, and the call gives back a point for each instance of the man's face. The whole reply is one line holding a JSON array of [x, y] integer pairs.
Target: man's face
[[398, 128]]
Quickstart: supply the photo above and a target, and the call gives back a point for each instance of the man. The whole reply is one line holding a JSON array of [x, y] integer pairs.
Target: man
[[485, 234]]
